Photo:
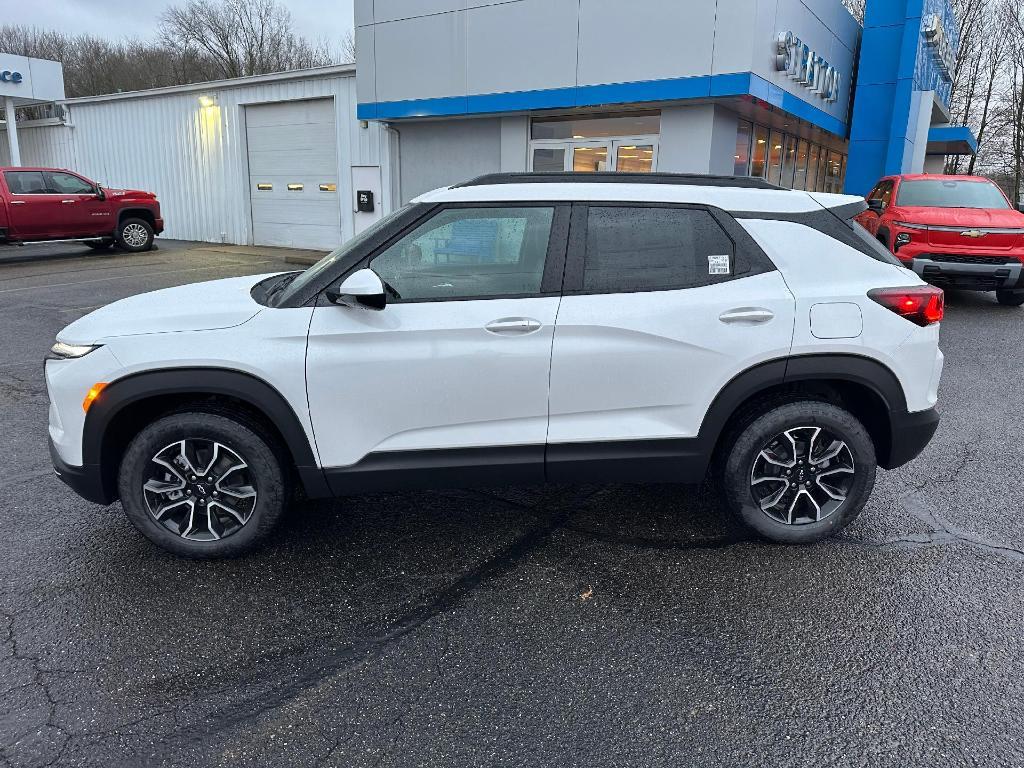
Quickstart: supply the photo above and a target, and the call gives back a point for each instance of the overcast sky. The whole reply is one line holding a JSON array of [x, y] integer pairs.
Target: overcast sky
[[314, 19]]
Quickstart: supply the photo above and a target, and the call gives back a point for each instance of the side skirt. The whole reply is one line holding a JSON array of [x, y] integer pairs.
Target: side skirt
[[630, 461]]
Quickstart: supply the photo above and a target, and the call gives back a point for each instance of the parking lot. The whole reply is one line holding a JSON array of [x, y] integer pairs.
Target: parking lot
[[601, 625]]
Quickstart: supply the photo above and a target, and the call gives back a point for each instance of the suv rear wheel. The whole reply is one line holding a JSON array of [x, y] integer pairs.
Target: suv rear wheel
[[1010, 298], [135, 235], [799, 473], [202, 485]]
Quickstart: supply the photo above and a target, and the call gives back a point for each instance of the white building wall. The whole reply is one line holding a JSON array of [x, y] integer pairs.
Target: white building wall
[[193, 157]]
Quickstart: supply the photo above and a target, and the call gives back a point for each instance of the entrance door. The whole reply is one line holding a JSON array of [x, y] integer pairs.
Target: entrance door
[[628, 154]]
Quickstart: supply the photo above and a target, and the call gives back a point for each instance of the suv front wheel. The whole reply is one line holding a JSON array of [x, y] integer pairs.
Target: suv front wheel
[[800, 473], [202, 485]]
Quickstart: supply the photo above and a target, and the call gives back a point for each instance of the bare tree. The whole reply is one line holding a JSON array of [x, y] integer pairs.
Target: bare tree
[[236, 38], [856, 7]]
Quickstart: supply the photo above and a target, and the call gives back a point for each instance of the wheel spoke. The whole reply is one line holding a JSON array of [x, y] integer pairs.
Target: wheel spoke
[[775, 498], [830, 453], [233, 512], [161, 487], [165, 508]]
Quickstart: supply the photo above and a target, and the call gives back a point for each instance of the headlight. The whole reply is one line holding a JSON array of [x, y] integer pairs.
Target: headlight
[[62, 351]]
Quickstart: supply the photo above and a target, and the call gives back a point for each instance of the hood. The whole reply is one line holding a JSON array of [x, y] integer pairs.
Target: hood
[[196, 307], [968, 218], [135, 194]]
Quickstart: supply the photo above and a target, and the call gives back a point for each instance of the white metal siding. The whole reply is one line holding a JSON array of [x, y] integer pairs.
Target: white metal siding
[[193, 157], [293, 155]]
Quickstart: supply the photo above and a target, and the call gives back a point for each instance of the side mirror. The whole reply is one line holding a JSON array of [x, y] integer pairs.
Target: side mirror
[[100, 194], [877, 206], [362, 288]]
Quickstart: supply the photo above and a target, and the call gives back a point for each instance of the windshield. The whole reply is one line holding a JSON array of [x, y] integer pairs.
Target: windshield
[[935, 193], [297, 283]]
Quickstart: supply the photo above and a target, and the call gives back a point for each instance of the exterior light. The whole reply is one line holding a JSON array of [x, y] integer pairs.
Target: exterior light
[[92, 394], [207, 101]]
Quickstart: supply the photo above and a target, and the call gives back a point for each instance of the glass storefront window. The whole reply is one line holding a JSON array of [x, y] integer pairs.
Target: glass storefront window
[[775, 151], [548, 160], [789, 161], [800, 167], [598, 126], [743, 134], [590, 159], [759, 154], [812, 168], [634, 158]]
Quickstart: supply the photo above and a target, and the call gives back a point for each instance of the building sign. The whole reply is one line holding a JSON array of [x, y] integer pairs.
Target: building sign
[[7, 76], [801, 63], [937, 42]]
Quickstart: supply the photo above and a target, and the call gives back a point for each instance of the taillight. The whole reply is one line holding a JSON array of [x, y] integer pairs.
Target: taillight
[[923, 305]]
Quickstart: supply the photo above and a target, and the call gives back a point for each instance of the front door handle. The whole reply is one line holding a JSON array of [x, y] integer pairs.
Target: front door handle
[[17, 202], [513, 326], [65, 202], [747, 316]]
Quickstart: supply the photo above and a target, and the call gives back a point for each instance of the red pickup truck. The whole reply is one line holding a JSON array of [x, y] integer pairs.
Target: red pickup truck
[[38, 204]]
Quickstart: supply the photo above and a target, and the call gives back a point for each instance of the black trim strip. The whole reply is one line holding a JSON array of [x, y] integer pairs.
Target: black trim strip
[[613, 177]]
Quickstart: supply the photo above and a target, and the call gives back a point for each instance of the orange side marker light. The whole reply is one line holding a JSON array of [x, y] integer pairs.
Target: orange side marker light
[[91, 396]]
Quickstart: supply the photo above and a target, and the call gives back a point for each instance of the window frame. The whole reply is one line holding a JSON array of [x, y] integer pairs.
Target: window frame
[[43, 191], [554, 260], [48, 177], [746, 260]]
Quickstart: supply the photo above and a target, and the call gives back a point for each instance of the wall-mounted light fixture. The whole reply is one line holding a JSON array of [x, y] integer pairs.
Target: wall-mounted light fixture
[[207, 100]]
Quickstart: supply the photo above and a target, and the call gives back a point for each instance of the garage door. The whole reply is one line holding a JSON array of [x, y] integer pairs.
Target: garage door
[[293, 174]]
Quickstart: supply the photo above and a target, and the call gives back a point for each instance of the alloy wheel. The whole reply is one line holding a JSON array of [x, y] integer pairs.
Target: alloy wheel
[[134, 235], [802, 475], [200, 490]]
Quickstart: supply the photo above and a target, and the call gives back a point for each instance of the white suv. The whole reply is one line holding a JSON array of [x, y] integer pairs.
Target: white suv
[[516, 329]]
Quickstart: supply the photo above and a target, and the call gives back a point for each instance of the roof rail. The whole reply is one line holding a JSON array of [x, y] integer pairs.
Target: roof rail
[[608, 177]]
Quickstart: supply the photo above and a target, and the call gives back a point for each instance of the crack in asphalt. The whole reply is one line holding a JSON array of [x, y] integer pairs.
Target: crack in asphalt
[[38, 675], [361, 651]]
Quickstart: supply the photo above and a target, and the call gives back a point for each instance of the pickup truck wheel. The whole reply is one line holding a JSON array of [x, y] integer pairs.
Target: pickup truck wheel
[[99, 245], [202, 485], [135, 235], [1010, 298], [800, 473]]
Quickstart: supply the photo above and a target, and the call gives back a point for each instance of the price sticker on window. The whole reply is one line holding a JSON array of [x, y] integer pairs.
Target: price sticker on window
[[718, 264]]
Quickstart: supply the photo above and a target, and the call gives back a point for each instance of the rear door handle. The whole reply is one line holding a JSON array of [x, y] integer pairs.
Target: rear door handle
[[513, 326], [65, 202], [747, 316], [17, 202]]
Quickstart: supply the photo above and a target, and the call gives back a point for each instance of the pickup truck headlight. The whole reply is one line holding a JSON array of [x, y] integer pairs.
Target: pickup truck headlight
[[62, 351]]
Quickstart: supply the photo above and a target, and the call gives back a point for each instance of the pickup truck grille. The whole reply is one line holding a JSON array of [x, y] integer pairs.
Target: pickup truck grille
[[956, 259]]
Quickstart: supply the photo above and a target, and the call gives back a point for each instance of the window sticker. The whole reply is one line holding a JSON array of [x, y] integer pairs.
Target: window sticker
[[718, 264]]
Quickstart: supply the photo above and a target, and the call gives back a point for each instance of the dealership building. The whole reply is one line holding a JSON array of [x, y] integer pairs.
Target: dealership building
[[793, 91]]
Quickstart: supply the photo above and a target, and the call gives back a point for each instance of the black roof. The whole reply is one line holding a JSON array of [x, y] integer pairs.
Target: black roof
[[569, 177]]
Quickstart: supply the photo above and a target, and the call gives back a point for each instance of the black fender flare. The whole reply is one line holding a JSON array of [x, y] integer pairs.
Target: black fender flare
[[201, 382], [884, 237], [854, 369]]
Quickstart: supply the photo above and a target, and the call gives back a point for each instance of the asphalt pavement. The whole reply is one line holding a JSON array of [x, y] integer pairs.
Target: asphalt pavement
[[564, 626]]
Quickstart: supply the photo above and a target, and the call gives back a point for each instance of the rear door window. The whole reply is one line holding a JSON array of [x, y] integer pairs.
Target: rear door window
[[633, 248], [25, 182]]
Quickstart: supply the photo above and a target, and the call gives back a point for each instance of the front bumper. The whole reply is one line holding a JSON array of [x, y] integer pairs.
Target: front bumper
[[911, 433], [86, 481], [971, 276], [158, 226]]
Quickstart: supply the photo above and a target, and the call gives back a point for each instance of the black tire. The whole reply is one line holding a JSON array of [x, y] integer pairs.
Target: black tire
[[1010, 298], [264, 474], [135, 235], [99, 245], [744, 447]]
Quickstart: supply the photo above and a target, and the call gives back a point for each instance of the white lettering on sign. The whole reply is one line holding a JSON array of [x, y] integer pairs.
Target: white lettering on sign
[[936, 39], [803, 64]]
